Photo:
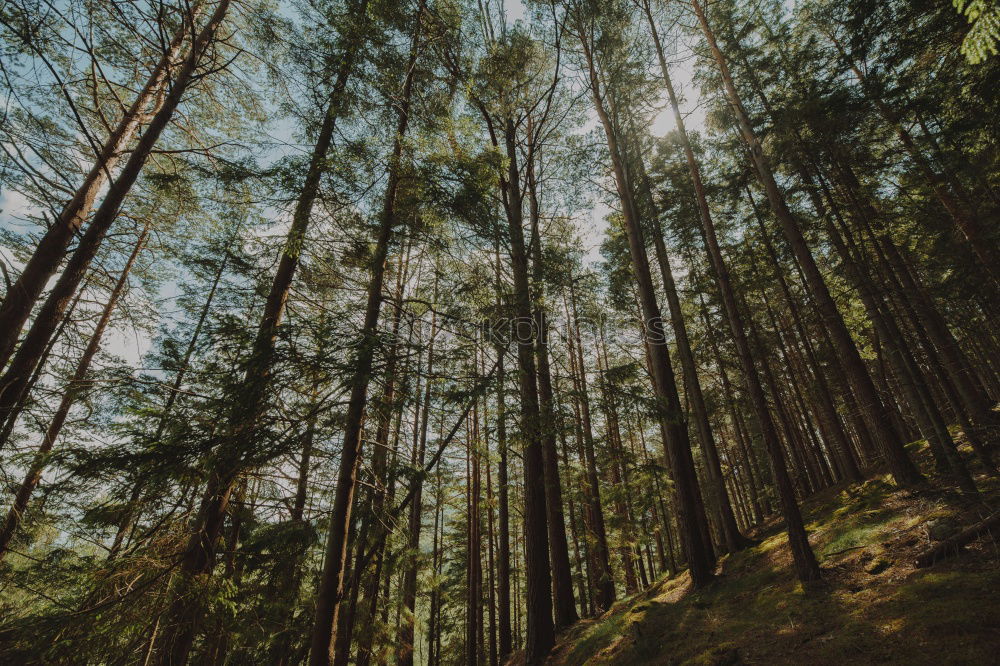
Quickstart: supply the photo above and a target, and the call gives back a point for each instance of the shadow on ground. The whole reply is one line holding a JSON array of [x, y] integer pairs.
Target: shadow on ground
[[875, 606]]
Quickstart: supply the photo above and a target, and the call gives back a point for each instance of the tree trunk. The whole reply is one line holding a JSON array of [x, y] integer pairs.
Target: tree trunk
[[490, 552], [433, 620], [409, 585], [605, 584], [824, 396], [23, 401], [384, 410], [331, 584], [713, 467], [503, 521], [701, 560], [562, 579], [73, 390], [249, 399], [541, 632], [44, 261], [878, 417], [734, 540], [474, 555]]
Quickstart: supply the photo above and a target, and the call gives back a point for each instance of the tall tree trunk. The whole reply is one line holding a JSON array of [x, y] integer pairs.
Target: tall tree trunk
[[24, 400], [701, 560], [331, 584], [73, 390], [562, 579], [433, 619], [582, 593], [605, 584], [44, 261], [248, 401], [540, 628], [713, 467], [414, 523], [474, 555], [384, 410], [824, 396], [503, 520], [734, 540], [491, 550]]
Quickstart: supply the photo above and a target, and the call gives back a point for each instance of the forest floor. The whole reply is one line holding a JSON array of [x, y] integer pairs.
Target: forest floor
[[875, 606]]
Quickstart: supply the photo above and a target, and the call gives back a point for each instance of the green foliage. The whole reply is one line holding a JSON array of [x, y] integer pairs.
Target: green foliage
[[984, 31]]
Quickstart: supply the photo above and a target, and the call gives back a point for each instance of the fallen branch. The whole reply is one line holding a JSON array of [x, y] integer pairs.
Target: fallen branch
[[841, 552], [950, 546]]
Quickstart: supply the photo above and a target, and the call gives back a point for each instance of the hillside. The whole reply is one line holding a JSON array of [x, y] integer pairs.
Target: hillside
[[875, 606]]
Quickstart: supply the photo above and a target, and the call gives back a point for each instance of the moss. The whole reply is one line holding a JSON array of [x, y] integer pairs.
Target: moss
[[597, 637], [756, 612], [955, 600], [720, 655]]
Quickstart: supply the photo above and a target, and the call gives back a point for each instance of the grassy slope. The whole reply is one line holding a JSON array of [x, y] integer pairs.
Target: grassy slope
[[875, 608]]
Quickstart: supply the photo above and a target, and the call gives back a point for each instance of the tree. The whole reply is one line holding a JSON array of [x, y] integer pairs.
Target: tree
[[700, 556]]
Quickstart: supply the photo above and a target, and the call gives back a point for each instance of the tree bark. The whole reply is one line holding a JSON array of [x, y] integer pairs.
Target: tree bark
[[331, 584]]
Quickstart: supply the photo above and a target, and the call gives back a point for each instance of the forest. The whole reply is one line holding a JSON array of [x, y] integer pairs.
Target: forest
[[499, 332]]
